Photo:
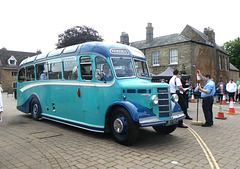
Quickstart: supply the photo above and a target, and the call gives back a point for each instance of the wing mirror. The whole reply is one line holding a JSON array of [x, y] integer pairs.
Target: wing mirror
[[98, 74]]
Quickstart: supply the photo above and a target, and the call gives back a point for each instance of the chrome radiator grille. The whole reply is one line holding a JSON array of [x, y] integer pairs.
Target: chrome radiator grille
[[163, 102]]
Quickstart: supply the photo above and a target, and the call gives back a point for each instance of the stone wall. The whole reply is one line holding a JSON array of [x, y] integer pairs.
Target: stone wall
[[8, 79], [184, 58], [188, 32], [191, 57]]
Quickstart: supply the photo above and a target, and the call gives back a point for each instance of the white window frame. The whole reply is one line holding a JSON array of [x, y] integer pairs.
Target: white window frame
[[155, 58], [173, 59], [12, 58]]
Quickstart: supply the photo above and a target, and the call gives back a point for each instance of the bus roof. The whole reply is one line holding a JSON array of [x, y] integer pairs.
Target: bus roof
[[89, 47]]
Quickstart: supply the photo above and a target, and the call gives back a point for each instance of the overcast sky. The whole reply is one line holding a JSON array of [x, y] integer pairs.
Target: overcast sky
[[28, 25]]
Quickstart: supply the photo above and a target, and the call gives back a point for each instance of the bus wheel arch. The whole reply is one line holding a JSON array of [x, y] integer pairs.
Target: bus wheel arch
[[121, 125], [35, 109]]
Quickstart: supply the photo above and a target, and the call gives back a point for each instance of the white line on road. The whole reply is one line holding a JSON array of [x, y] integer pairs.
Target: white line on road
[[205, 149]]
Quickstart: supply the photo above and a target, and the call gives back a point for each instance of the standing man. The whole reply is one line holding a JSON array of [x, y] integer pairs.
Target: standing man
[[207, 93], [237, 93], [176, 88], [185, 84], [231, 89]]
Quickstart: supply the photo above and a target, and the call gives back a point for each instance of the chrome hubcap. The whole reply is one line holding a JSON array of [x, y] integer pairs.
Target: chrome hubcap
[[118, 125], [35, 109]]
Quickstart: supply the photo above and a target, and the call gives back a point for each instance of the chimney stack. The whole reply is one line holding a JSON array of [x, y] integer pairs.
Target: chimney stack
[[149, 33], [210, 34], [124, 38]]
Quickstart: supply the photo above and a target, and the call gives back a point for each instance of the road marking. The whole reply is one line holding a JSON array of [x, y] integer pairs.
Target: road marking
[[205, 149]]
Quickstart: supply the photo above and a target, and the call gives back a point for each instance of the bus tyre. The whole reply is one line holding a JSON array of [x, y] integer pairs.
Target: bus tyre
[[123, 129], [35, 110], [165, 129]]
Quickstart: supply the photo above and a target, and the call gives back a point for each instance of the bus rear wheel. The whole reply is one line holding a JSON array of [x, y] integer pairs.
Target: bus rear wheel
[[165, 129], [35, 110], [123, 129]]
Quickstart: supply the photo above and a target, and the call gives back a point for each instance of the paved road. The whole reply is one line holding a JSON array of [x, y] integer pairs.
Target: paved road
[[25, 143]]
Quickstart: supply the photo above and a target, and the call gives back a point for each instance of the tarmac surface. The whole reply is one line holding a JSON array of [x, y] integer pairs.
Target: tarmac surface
[[26, 143]]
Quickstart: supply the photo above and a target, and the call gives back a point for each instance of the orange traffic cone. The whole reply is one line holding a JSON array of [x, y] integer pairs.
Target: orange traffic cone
[[192, 99], [224, 99], [220, 113], [231, 108]]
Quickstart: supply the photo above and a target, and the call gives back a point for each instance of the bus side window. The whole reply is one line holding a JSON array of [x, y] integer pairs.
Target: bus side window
[[42, 71], [30, 73], [55, 70], [21, 75], [70, 69], [105, 70], [86, 68]]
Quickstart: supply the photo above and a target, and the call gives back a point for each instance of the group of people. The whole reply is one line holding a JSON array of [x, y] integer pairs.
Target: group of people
[[207, 93], [231, 88]]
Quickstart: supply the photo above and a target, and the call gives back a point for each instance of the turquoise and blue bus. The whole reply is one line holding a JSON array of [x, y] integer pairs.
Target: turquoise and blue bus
[[98, 87]]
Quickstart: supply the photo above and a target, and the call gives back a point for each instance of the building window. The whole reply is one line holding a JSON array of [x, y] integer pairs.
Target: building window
[[220, 63], [155, 58], [12, 61], [226, 64], [14, 73], [14, 85], [173, 56]]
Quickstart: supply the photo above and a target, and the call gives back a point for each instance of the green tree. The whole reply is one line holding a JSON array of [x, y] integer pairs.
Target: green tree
[[233, 49], [76, 35]]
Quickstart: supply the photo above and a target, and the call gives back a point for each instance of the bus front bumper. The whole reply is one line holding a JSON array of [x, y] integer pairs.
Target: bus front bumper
[[154, 120]]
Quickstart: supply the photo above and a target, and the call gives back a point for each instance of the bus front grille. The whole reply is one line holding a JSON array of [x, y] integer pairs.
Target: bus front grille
[[163, 102]]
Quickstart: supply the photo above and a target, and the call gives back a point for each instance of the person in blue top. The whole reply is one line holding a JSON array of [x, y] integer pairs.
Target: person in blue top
[[44, 76], [106, 76], [207, 93]]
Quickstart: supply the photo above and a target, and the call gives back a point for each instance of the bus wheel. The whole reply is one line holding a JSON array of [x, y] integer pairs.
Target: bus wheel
[[35, 110], [123, 129], [165, 129]]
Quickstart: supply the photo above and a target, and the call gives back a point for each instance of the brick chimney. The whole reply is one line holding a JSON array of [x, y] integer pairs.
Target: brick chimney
[[124, 38], [210, 34], [149, 33]]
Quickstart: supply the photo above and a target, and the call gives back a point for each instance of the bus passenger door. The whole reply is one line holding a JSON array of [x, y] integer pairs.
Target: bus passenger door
[[95, 101], [89, 94], [72, 94]]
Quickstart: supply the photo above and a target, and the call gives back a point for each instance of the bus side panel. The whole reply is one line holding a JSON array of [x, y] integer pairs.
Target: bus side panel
[[96, 101]]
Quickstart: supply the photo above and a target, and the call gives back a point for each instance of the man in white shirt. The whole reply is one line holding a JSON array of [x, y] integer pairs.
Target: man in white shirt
[[176, 87], [231, 89]]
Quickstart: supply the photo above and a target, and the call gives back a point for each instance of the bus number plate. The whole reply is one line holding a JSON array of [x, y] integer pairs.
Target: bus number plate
[[171, 122]]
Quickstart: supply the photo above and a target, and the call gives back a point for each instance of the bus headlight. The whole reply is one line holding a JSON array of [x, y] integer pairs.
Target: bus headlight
[[154, 100], [174, 98]]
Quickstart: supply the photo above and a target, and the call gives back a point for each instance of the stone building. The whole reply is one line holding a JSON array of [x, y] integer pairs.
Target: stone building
[[9, 62], [188, 51]]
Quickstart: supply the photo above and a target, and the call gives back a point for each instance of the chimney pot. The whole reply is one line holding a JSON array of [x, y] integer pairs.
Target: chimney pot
[[124, 38], [149, 33]]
